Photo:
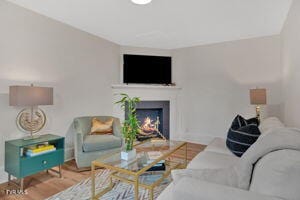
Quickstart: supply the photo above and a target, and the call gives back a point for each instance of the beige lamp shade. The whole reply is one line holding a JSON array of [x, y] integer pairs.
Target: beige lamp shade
[[258, 96], [30, 96]]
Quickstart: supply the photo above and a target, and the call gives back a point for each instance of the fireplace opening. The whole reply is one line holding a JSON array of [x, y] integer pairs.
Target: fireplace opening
[[150, 125], [153, 117]]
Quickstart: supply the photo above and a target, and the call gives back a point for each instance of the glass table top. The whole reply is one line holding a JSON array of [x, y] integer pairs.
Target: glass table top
[[148, 153]]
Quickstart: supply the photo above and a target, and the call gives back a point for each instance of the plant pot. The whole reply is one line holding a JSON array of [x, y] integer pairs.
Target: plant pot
[[128, 155]]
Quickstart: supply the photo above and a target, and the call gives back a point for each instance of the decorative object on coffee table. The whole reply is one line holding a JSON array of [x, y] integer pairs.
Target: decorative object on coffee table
[[33, 119], [258, 97], [130, 125]]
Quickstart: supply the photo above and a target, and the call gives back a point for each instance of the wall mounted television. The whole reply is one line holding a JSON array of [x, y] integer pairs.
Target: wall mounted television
[[147, 69]]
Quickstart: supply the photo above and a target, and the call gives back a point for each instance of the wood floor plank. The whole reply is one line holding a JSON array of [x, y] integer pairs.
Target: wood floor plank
[[44, 185]]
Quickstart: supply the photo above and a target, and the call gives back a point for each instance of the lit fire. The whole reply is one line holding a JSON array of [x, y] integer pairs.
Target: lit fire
[[149, 127]]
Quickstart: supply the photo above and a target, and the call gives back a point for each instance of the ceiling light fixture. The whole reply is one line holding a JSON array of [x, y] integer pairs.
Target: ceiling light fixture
[[141, 2]]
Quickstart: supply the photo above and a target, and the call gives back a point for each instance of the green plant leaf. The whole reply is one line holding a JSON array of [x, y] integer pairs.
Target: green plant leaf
[[131, 125]]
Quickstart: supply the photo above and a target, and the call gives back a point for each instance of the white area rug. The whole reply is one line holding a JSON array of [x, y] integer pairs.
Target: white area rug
[[82, 190]]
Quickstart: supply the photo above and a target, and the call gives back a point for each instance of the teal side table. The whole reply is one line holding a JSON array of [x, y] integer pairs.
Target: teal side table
[[20, 166]]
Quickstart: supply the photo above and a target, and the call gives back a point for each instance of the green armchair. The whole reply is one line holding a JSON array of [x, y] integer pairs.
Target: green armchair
[[89, 147]]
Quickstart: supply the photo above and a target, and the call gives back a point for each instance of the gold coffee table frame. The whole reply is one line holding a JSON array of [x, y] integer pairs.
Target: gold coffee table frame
[[134, 176]]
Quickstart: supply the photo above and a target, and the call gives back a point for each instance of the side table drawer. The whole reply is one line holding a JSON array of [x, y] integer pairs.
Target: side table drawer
[[32, 165]]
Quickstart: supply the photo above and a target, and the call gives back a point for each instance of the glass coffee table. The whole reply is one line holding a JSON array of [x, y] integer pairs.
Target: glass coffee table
[[130, 171]]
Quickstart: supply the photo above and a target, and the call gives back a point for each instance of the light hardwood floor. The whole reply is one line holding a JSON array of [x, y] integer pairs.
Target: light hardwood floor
[[44, 185]]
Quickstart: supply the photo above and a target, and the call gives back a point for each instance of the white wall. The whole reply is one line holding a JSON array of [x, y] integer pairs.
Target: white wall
[[216, 80], [80, 67], [291, 66]]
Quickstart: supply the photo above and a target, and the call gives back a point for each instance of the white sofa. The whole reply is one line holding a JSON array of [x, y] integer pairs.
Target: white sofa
[[275, 176]]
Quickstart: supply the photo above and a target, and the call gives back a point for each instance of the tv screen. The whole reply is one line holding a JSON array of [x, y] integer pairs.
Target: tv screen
[[147, 69]]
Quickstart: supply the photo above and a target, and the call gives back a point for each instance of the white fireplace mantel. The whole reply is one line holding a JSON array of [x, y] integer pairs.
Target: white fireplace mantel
[[151, 93]]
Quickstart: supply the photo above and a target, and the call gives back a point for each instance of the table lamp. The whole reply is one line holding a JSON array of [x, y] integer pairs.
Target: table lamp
[[258, 97], [32, 119]]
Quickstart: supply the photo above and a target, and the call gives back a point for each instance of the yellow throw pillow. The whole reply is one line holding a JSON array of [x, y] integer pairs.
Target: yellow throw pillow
[[101, 128]]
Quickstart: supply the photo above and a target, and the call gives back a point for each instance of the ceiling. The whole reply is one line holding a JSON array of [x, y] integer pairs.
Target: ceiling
[[167, 24]]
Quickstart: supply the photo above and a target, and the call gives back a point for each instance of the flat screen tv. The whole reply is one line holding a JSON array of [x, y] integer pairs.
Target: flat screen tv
[[147, 69]]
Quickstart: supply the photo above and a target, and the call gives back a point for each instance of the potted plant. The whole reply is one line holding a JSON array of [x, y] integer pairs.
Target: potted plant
[[130, 125]]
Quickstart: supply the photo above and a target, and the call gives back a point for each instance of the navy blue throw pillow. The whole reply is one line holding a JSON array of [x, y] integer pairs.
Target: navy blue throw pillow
[[240, 121], [242, 134]]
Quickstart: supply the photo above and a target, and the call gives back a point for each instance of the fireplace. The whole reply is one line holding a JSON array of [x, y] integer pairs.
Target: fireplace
[[154, 118]]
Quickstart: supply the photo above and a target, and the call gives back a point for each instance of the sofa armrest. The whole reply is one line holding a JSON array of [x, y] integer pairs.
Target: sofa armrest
[[117, 128], [194, 189], [79, 142], [78, 137]]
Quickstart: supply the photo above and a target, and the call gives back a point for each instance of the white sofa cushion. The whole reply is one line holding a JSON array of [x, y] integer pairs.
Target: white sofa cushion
[[278, 174], [193, 189], [166, 193], [269, 124], [212, 160], [218, 145]]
